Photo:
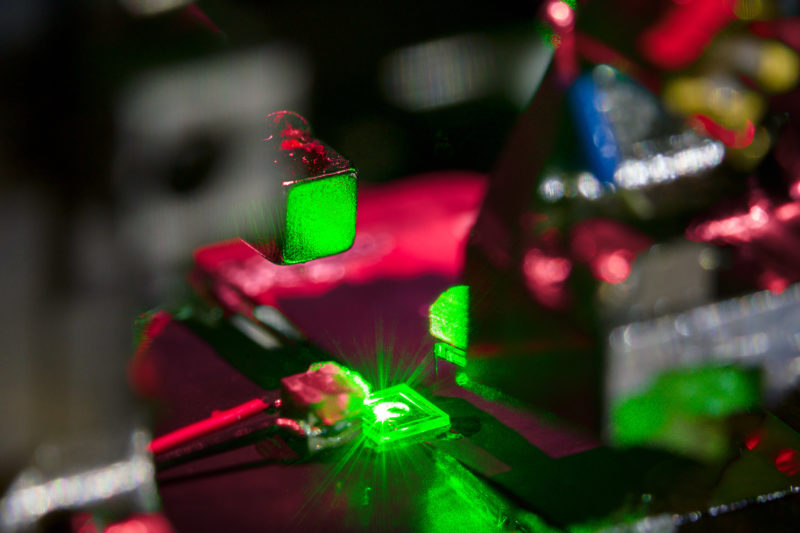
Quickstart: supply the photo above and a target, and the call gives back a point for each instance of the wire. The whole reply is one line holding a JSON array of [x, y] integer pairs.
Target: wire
[[218, 420]]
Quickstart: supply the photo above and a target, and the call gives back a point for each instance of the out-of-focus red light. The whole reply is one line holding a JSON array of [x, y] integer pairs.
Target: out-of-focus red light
[[608, 247], [731, 138], [787, 462], [614, 267], [560, 14], [682, 33], [546, 276]]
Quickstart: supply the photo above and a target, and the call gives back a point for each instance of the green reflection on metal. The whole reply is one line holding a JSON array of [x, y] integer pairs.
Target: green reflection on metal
[[450, 353], [683, 411], [320, 218], [386, 424], [449, 316]]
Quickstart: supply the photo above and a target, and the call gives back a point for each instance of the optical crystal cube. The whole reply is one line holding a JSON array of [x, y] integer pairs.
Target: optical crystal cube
[[399, 416]]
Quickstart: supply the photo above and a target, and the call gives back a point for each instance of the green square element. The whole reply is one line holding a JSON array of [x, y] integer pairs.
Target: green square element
[[398, 416], [450, 353], [320, 218]]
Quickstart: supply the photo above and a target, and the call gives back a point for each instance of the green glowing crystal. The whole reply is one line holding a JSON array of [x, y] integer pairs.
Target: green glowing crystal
[[449, 316], [320, 217], [398, 416]]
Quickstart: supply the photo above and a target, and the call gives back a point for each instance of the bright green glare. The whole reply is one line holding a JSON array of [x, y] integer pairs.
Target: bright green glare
[[386, 410], [398, 416], [320, 218], [449, 316]]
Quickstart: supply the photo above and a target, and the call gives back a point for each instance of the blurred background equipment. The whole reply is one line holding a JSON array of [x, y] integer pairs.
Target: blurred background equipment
[[132, 127]]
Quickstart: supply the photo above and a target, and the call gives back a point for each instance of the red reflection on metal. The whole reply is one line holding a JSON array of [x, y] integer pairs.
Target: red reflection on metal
[[614, 267], [772, 281], [737, 228], [680, 36], [732, 138], [313, 155], [788, 462], [763, 233], [608, 247]]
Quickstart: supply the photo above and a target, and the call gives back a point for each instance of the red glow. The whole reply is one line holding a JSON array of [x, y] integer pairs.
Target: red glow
[[753, 440], [614, 267], [765, 238], [608, 247], [679, 37], [546, 276], [787, 462], [788, 212], [773, 282], [732, 138], [733, 228]]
